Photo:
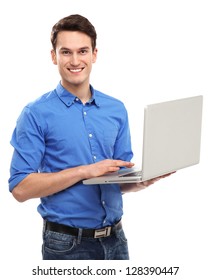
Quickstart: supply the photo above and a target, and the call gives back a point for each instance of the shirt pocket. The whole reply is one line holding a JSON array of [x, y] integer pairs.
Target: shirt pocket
[[109, 139]]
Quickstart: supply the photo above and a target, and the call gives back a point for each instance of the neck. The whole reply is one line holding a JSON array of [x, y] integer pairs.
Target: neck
[[83, 92]]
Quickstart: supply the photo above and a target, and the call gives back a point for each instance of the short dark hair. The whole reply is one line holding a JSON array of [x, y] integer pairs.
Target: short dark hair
[[74, 23]]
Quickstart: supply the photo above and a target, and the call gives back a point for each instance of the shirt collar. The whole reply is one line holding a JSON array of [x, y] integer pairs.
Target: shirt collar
[[94, 98], [68, 98]]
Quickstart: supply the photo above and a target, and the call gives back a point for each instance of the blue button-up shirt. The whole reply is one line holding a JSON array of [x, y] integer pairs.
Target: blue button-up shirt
[[57, 132]]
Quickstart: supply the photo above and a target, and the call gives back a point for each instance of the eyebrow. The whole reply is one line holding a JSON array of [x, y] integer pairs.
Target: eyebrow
[[82, 48]]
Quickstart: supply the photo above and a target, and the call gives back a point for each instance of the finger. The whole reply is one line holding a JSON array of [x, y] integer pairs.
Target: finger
[[150, 182], [122, 163], [113, 168]]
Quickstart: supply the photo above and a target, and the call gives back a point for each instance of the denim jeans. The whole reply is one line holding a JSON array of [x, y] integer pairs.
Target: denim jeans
[[59, 246]]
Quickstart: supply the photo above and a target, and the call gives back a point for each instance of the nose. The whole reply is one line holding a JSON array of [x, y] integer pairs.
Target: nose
[[74, 60]]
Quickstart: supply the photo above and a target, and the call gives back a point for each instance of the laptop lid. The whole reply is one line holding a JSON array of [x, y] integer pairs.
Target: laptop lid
[[172, 136]]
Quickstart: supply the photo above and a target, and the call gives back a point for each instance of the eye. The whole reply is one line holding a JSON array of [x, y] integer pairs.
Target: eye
[[66, 52], [84, 51]]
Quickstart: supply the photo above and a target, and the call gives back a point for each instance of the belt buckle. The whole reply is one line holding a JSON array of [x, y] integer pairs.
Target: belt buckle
[[104, 232]]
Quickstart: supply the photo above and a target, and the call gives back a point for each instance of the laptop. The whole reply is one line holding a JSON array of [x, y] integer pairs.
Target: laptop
[[171, 141]]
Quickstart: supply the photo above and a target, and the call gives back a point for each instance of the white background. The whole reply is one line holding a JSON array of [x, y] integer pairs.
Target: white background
[[149, 51]]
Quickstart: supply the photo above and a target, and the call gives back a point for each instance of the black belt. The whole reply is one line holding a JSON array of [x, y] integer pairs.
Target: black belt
[[95, 233]]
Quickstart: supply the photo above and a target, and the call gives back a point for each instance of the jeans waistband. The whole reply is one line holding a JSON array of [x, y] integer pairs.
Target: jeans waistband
[[94, 233]]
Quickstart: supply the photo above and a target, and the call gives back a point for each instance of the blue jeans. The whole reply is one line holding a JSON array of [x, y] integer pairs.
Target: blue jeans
[[59, 246]]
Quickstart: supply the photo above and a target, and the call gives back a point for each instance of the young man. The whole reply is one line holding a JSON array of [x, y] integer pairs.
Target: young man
[[71, 133]]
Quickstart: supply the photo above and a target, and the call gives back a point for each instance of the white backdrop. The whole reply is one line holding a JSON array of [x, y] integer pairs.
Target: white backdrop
[[149, 51]]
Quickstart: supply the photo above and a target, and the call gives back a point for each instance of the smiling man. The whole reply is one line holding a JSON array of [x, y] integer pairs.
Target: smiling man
[[69, 134]]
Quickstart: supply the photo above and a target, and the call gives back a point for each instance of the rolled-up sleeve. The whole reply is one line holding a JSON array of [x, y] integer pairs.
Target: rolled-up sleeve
[[29, 147]]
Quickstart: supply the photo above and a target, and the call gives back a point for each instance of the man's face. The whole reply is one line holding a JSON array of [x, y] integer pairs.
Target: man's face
[[74, 57]]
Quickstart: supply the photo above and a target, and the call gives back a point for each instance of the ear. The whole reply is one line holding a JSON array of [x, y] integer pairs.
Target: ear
[[94, 55], [53, 56]]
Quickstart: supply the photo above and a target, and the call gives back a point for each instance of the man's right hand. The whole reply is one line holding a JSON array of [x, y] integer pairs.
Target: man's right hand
[[103, 167]]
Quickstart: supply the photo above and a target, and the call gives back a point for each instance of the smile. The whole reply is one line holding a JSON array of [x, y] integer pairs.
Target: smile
[[76, 70]]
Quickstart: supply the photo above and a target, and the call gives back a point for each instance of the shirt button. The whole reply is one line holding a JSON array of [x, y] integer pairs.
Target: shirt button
[[85, 113], [90, 135], [77, 99], [103, 202], [94, 157], [104, 221]]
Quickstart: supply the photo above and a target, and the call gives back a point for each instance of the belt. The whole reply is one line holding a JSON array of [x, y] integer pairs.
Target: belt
[[94, 233]]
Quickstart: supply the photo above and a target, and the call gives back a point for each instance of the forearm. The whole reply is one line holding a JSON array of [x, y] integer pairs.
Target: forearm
[[43, 184], [37, 185]]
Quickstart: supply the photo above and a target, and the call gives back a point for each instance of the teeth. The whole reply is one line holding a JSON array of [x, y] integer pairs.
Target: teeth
[[75, 70]]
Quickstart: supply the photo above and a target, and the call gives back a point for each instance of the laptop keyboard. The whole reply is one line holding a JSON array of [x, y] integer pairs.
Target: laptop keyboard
[[136, 174]]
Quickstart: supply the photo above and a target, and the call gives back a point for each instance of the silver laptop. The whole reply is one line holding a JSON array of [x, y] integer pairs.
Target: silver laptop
[[171, 141]]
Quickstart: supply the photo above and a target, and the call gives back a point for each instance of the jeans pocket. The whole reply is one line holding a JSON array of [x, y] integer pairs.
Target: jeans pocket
[[121, 236], [58, 243]]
